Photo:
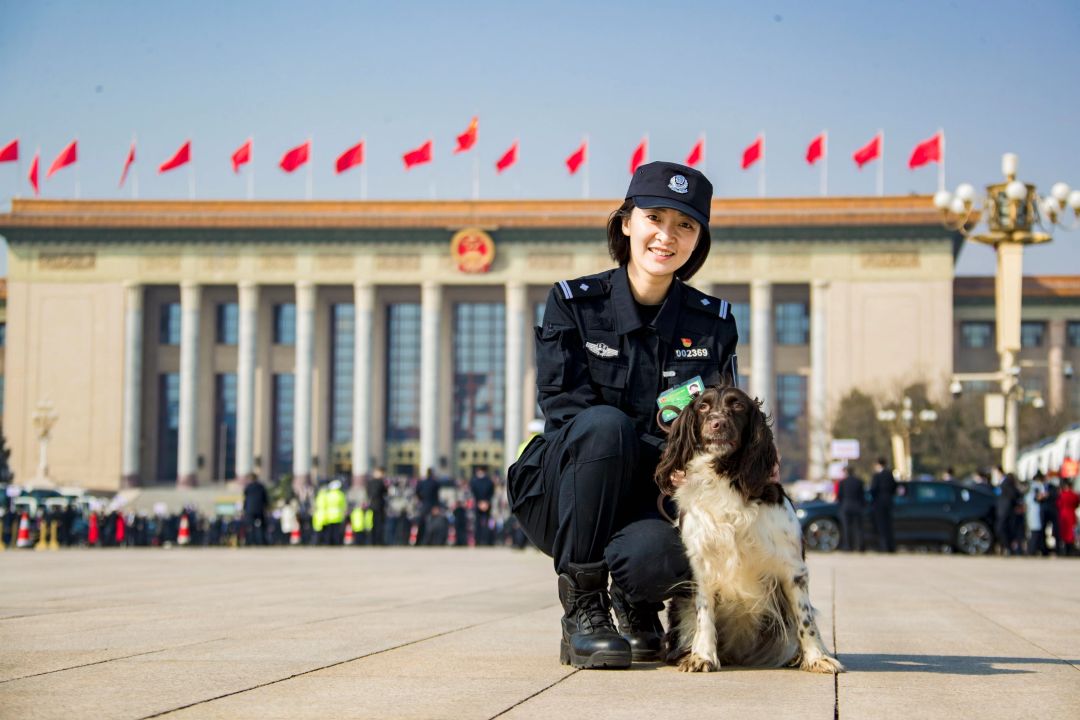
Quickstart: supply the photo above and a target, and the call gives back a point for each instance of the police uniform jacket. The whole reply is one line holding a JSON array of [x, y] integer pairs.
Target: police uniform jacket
[[594, 349]]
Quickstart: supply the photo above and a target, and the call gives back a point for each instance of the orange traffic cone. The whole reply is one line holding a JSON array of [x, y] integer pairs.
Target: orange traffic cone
[[349, 537], [183, 537], [24, 532], [294, 536]]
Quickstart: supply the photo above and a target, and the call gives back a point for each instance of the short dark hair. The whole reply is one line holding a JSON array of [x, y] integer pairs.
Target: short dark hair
[[881, 462], [619, 243]]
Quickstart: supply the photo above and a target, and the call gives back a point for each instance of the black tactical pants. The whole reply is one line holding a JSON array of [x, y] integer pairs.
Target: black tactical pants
[[585, 493]]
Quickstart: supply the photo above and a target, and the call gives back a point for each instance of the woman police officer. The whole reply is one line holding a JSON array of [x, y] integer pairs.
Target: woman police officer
[[610, 344]]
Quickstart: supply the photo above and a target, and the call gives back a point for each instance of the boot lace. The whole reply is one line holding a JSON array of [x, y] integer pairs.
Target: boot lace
[[593, 610]]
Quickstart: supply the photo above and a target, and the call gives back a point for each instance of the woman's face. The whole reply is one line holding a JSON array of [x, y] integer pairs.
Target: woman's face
[[661, 239]]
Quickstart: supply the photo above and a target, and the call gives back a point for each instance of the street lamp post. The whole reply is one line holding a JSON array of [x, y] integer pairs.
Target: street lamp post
[[1012, 210], [902, 426]]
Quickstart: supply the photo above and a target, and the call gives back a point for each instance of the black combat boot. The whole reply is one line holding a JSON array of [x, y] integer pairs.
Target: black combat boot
[[589, 640], [640, 624]]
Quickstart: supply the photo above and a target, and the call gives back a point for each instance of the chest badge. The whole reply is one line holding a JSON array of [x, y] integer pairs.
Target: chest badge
[[686, 342], [602, 350]]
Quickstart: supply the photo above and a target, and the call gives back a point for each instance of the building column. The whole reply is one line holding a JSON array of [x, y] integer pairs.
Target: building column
[[187, 461], [305, 359], [1055, 366], [819, 431], [245, 381], [133, 343], [516, 305], [364, 313], [430, 352], [762, 373]]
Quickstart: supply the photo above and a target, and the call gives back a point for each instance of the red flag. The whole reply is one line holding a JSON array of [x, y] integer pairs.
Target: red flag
[[10, 152], [869, 151], [468, 138], [639, 155], [296, 157], [754, 152], [351, 157], [419, 156], [242, 156], [816, 151], [508, 158], [578, 158], [696, 154], [927, 151], [33, 176], [127, 163], [67, 156], [182, 157]]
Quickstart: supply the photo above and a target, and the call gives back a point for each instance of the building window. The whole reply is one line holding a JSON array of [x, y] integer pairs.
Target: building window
[[170, 324], [792, 324], [479, 362], [976, 335], [403, 372], [741, 312], [1032, 334], [3, 334], [282, 452], [1, 399], [168, 444], [1072, 334], [225, 426], [342, 334], [285, 324], [228, 323], [790, 400]]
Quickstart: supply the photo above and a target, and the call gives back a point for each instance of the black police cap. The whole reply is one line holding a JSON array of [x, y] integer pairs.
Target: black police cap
[[670, 185]]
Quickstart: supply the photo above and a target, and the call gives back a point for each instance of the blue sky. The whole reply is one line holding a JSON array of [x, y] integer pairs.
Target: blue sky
[[996, 76]]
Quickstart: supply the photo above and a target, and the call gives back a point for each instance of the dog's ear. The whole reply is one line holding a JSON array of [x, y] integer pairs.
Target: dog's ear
[[683, 440], [757, 456]]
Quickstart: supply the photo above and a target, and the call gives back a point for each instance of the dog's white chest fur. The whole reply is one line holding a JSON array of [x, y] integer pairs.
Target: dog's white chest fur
[[750, 577]]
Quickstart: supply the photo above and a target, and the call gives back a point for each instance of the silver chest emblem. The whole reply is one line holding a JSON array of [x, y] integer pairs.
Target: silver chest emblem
[[678, 184], [601, 350]]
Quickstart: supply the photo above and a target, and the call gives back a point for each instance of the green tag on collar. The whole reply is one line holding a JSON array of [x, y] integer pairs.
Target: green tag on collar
[[679, 397]]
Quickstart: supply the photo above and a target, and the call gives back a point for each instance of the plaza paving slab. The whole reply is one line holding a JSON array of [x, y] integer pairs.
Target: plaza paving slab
[[473, 633]]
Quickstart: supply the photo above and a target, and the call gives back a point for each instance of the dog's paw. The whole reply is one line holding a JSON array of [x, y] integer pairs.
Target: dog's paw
[[821, 664], [695, 663]]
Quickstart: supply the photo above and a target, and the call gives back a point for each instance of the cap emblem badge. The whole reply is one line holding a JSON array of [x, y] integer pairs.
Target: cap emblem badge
[[678, 184]]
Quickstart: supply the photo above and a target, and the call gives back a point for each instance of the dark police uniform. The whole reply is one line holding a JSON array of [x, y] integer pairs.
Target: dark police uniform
[[583, 490]]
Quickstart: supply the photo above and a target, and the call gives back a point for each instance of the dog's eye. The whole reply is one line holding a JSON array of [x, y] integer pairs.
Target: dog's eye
[[703, 408], [737, 407]]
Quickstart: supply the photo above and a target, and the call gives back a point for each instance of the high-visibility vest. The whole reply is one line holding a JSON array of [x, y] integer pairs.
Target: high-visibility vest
[[335, 507], [356, 519], [318, 515]]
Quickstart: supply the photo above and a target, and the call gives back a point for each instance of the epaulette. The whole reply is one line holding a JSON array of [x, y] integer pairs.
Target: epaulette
[[707, 303], [583, 287]]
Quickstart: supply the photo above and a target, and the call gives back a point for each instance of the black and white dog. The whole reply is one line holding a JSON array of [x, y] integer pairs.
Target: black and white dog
[[751, 601]]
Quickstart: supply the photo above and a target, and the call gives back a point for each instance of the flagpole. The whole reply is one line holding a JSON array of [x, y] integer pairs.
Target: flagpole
[[761, 174], [18, 174], [704, 155], [251, 170], [310, 173], [77, 188], [363, 169], [191, 179], [585, 176], [881, 165], [941, 165], [134, 174], [825, 164]]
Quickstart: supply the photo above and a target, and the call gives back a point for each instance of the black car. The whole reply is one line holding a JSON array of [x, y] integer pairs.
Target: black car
[[928, 513]]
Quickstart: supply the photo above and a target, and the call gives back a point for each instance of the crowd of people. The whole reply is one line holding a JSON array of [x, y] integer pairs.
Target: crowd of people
[[428, 511]]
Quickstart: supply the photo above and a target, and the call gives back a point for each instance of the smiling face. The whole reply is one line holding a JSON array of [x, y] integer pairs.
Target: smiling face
[[661, 241]]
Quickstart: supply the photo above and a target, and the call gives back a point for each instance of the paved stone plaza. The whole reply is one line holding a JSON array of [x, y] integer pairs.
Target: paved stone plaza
[[446, 633]]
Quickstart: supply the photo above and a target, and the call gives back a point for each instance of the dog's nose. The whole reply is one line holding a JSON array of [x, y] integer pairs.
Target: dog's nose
[[714, 425]]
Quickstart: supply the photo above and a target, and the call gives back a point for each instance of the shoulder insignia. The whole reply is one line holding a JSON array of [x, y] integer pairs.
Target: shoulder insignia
[[582, 288], [707, 303]]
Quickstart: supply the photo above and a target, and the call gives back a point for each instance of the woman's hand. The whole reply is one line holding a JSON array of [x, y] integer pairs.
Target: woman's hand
[[678, 478]]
